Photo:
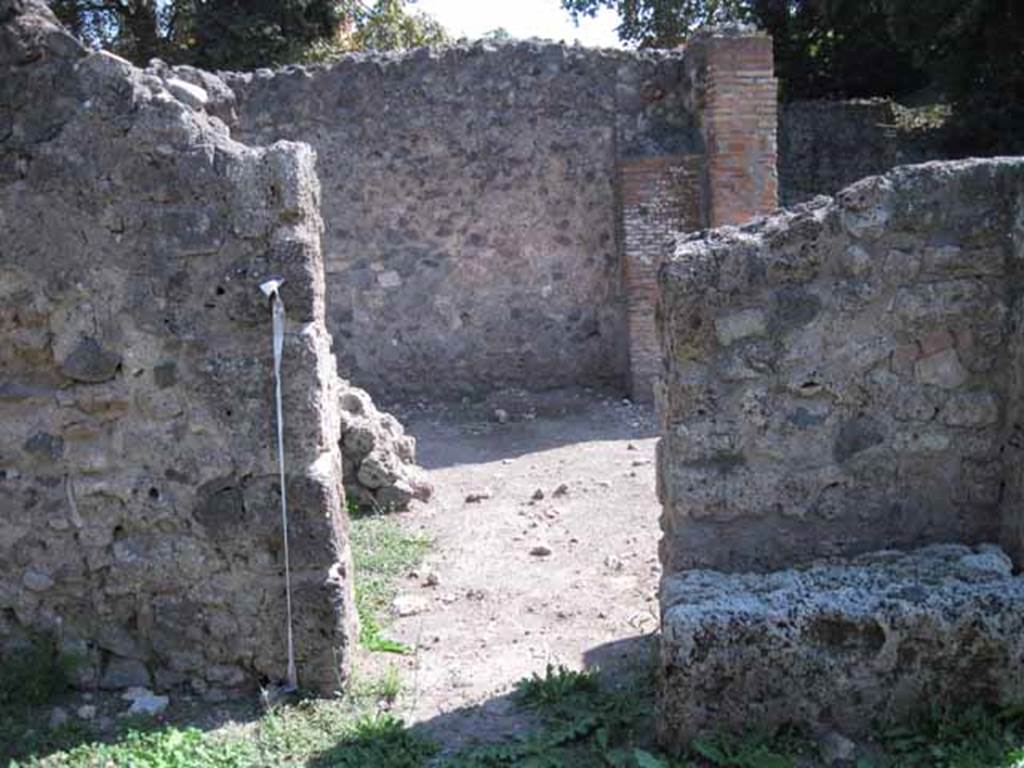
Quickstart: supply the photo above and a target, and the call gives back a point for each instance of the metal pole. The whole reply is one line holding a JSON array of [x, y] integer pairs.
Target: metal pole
[[271, 288]]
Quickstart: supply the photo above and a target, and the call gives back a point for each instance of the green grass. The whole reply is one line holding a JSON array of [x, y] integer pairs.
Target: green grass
[[312, 733], [583, 721], [382, 553], [974, 738]]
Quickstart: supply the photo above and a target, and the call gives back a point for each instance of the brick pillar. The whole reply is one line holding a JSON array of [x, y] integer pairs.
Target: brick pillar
[[661, 196], [738, 106]]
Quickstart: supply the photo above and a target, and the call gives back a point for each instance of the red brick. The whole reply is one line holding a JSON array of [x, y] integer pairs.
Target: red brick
[[936, 341]]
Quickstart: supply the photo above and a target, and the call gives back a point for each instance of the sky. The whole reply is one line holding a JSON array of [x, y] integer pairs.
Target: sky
[[522, 19]]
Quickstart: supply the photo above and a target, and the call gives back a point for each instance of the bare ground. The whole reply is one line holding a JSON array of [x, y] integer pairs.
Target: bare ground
[[570, 475]]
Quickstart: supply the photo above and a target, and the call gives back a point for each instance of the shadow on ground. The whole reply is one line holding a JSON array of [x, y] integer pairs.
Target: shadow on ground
[[386, 744], [621, 664], [450, 436], [28, 733]]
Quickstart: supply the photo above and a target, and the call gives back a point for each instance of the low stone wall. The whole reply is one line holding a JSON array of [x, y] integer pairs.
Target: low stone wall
[[139, 510], [826, 145], [837, 378], [850, 647]]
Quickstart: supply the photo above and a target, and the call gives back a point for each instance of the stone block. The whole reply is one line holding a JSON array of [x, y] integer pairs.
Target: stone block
[[942, 369], [850, 644], [740, 325], [124, 673]]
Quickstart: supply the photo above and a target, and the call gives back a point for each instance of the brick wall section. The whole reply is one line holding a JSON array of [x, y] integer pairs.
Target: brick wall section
[[739, 124], [661, 196]]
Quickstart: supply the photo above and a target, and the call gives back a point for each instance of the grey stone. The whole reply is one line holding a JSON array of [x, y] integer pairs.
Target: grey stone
[[409, 605], [835, 748], [856, 436], [942, 369], [89, 362], [739, 325], [827, 144], [876, 639], [124, 673], [36, 581], [58, 718], [379, 458], [149, 705], [971, 409], [45, 445], [191, 94], [513, 240]]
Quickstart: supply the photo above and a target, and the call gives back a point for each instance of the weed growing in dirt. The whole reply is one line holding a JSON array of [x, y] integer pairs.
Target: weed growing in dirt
[[748, 751], [169, 748], [974, 738], [335, 733], [583, 722], [379, 740], [586, 722], [383, 690], [382, 552]]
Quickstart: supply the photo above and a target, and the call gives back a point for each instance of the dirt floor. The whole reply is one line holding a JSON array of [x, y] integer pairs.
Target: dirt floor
[[545, 532]]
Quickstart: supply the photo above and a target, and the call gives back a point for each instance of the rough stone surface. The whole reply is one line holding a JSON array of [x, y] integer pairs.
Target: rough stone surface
[[379, 459], [138, 478], [826, 145], [838, 377], [847, 645], [469, 197]]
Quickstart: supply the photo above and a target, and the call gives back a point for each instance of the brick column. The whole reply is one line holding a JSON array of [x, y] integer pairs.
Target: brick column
[[661, 196], [738, 112]]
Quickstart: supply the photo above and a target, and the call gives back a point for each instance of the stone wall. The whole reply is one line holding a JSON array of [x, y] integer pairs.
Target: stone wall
[[470, 203], [838, 378], [826, 145], [139, 510]]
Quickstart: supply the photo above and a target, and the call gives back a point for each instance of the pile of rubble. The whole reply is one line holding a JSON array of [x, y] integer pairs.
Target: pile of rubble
[[379, 459]]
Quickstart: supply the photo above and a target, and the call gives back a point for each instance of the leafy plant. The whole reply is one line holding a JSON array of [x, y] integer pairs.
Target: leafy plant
[[973, 738], [168, 748], [378, 740], [583, 723], [556, 687], [729, 751]]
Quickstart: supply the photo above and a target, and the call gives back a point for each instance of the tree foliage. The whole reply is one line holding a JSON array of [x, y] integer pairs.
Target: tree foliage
[[969, 51], [244, 34]]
